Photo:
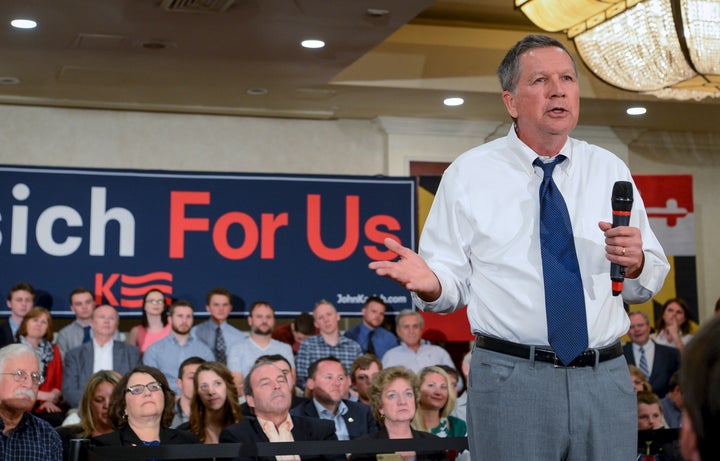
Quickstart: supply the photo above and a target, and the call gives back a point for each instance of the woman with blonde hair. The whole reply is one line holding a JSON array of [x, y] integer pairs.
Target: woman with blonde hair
[[437, 400], [93, 410], [639, 380], [394, 396], [215, 402]]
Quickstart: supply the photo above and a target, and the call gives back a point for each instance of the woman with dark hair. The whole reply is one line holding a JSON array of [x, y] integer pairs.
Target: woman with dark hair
[[215, 402], [394, 395], [93, 410], [673, 327], [142, 408], [155, 325], [36, 331]]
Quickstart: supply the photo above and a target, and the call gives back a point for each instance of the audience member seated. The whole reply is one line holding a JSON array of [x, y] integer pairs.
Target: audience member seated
[[214, 404], [216, 332], [650, 415], [672, 404], [242, 356], [20, 299], [22, 435], [363, 369], [370, 333], [411, 353], [327, 381], [295, 332], [673, 327], [36, 331], [141, 408], [186, 384], [103, 352], [154, 325], [701, 395], [639, 380], [658, 362], [460, 410], [328, 343], [437, 400], [169, 352], [269, 394], [93, 410], [73, 335], [282, 363], [394, 395]]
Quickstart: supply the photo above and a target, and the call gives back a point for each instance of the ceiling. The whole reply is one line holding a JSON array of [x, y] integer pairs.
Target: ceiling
[[242, 57]]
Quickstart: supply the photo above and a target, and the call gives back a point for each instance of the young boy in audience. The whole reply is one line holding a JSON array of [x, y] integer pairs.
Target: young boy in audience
[[650, 414]]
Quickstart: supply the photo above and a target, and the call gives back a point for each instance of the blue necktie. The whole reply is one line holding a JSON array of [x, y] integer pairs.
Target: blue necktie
[[86, 334], [220, 353], [643, 365], [564, 299]]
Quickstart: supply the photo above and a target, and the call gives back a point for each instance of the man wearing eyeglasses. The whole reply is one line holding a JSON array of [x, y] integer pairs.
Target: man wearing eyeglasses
[[22, 435]]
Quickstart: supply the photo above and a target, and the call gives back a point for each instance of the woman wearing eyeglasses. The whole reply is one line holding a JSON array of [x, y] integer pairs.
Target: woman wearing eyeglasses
[[141, 408], [215, 402], [154, 326], [36, 331]]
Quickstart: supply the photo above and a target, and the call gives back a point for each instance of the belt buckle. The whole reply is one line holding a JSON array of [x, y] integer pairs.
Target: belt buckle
[[558, 364]]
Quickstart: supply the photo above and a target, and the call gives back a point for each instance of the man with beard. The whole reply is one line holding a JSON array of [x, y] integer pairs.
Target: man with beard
[[168, 353], [243, 355], [268, 392], [22, 435]]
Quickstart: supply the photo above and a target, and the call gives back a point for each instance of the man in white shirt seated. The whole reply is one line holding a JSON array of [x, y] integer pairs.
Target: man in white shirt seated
[[102, 353], [411, 353]]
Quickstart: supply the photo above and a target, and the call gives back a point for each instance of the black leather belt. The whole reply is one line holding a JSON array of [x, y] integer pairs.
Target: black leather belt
[[588, 358]]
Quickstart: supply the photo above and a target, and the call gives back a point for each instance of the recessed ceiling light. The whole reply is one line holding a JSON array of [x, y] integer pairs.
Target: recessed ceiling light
[[452, 102], [312, 43], [9, 80], [636, 110], [23, 23]]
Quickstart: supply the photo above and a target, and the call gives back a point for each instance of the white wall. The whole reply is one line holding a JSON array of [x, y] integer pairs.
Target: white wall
[[118, 139]]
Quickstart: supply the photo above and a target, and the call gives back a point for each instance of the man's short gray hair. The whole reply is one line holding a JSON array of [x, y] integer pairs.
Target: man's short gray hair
[[15, 350]]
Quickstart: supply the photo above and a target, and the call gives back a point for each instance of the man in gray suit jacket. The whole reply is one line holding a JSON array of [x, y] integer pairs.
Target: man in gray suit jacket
[[102, 353]]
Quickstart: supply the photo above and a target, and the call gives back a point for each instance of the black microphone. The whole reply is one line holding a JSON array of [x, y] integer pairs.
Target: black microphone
[[622, 201]]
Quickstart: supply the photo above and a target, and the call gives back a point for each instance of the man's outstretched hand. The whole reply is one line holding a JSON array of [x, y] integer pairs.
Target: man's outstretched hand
[[410, 271]]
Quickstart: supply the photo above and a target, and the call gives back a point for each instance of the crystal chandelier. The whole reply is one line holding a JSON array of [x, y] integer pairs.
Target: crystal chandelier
[[666, 48]]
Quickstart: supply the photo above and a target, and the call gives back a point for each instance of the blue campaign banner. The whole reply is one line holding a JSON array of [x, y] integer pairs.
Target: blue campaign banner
[[290, 240]]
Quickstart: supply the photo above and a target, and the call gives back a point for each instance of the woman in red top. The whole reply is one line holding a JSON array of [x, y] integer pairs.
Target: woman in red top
[[36, 330]]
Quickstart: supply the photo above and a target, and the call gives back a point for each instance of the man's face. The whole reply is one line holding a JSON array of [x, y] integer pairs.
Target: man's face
[[326, 319], [639, 329], [363, 379], [21, 302], [271, 391], [186, 382], [262, 320], [19, 395], [546, 100], [104, 322], [83, 305], [373, 314], [181, 320], [409, 331], [289, 372], [219, 308], [329, 384], [649, 417]]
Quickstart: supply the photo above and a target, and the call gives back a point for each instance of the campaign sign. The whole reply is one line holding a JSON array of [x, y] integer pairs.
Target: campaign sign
[[287, 239]]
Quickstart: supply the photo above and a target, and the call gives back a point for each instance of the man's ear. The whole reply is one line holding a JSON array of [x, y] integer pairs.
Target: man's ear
[[509, 101], [250, 401], [310, 384]]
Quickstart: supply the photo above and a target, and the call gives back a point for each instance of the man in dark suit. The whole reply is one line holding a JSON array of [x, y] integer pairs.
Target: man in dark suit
[[20, 299], [268, 392], [661, 361], [102, 353], [328, 382]]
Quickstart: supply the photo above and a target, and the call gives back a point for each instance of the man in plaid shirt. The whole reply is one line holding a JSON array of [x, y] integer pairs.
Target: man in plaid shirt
[[328, 342], [23, 436]]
